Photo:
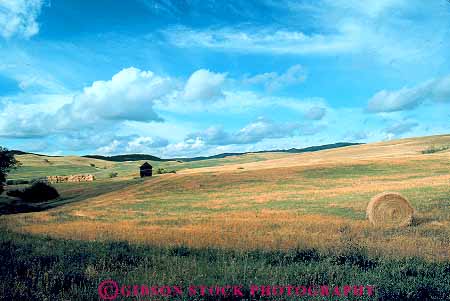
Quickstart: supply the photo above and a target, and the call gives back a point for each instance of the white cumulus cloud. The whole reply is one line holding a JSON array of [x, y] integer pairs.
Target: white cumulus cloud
[[19, 18], [437, 90], [254, 132], [203, 85], [128, 95], [144, 144], [274, 81]]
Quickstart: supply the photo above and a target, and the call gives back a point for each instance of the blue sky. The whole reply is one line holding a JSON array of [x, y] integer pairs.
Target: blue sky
[[188, 78]]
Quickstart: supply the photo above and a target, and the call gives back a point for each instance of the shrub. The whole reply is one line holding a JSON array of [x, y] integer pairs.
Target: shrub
[[162, 171], [16, 193], [435, 149], [37, 192], [7, 162], [113, 174], [92, 164]]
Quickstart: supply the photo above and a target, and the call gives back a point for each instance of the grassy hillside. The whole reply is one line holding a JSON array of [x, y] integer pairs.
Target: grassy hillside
[[141, 157], [275, 205], [35, 166], [267, 201]]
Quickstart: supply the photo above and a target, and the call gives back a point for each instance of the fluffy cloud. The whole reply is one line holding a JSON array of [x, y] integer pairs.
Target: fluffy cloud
[[437, 90], [92, 118], [129, 95], [87, 138], [18, 18], [239, 101], [132, 144], [116, 115], [391, 101], [264, 129], [202, 90], [144, 143], [188, 147], [203, 85], [315, 113], [109, 149], [254, 132], [274, 81], [24, 120]]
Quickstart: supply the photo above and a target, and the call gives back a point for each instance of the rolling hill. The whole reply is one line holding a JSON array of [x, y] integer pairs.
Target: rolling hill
[[268, 200], [141, 157], [273, 217]]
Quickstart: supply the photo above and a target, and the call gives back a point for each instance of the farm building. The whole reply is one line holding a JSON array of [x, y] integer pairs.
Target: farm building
[[146, 170]]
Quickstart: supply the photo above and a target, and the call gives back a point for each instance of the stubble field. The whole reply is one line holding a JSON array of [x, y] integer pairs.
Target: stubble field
[[262, 203]]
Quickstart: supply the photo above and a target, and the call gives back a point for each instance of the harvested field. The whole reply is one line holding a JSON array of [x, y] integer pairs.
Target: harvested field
[[279, 203]]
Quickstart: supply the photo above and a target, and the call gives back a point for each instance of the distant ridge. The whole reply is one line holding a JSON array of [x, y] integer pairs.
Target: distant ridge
[[18, 152], [139, 157], [128, 157], [291, 150]]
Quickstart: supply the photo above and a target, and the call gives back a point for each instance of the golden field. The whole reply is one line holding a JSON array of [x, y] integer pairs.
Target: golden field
[[264, 201]]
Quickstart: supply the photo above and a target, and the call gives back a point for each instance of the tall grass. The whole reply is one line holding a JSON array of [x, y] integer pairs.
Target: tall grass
[[42, 268]]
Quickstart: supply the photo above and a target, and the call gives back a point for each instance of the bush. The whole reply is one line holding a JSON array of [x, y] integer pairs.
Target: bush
[[16, 193], [7, 162], [92, 164], [37, 192], [162, 170], [113, 174], [435, 149]]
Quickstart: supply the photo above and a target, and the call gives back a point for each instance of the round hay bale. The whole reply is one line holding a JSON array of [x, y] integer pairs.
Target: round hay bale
[[390, 209]]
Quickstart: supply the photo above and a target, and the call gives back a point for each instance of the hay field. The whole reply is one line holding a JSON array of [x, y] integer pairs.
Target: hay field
[[313, 200], [35, 166]]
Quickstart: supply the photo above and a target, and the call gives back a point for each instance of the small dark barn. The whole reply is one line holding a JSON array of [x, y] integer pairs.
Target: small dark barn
[[146, 170]]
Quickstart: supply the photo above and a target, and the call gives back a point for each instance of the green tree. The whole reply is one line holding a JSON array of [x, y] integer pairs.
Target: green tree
[[7, 162]]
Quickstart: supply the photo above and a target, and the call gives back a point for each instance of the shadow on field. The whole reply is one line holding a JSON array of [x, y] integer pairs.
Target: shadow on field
[[9, 205], [69, 193], [422, 220]]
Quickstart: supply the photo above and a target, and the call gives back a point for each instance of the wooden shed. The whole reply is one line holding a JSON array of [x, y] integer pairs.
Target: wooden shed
[[146, 170]]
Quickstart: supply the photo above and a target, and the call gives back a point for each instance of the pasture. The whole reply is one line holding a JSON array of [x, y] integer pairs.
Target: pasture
[[274, 205]]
